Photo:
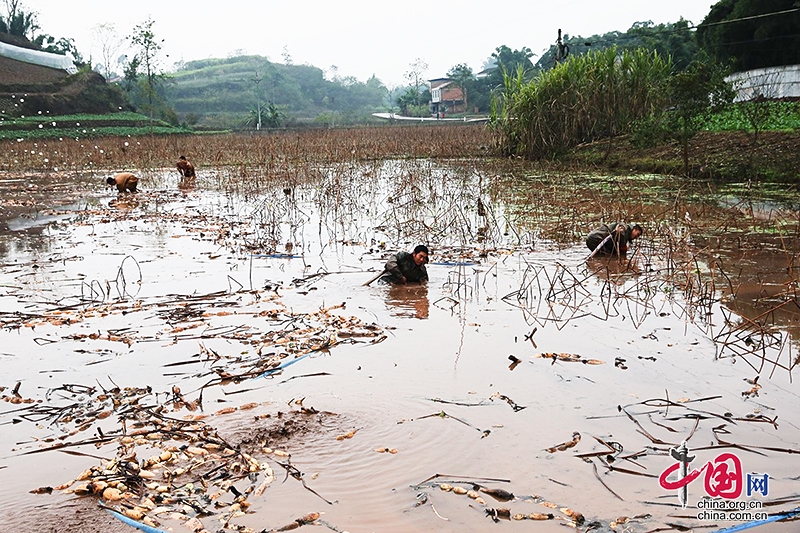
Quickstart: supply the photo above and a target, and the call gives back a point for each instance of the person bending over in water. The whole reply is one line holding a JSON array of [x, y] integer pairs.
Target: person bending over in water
[[125, 181], [185, 167], [613, 239], [403, 267]]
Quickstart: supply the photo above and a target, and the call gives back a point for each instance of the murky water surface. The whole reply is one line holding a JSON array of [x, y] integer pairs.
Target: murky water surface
[[520, 366]]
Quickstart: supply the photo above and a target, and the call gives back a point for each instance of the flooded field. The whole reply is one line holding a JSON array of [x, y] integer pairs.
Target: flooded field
[[206, 356]]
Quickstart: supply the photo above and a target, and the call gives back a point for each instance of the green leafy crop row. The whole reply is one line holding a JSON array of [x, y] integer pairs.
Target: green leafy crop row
[[112, 131], [82, 125], [82, 118], [770, 115]]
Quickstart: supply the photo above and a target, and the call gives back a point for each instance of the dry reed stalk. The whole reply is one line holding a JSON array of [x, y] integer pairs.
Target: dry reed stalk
[[276, 151]]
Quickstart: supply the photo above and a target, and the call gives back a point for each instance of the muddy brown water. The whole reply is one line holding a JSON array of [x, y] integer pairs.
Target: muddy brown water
[[653, 351]]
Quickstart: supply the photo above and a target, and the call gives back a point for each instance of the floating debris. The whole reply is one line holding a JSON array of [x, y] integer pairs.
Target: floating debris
[[516, 407], [310, 518], [349, 435], [569, 358], [387, 450], [753, 391], [498, 494], [576, 438]]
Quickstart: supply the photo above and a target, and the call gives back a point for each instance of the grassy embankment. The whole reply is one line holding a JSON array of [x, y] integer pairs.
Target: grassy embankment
[[728, 148]]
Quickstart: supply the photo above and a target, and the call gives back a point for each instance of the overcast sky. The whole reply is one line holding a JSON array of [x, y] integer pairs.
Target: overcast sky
[[360, 38]]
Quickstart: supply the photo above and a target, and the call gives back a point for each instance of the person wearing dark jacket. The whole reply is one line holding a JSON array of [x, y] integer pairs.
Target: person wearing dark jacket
[[403, 267], [613, 239]]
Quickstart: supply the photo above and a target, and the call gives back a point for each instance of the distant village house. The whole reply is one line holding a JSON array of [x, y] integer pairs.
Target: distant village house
[[446, 97]]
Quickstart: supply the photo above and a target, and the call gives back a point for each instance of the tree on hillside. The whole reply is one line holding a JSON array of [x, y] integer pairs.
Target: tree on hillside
[[414, 75], [147, 48], [130, 75], [675, 40], [62, 46], [287, 57], [752, 33], [107, 39], [348, 94], [11, 7], [23, 24], [508, 62], [695, 94], [17, 22], [271, 116], [462, 75]]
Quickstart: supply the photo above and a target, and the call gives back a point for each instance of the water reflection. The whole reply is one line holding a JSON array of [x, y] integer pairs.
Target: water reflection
[[23, 235], [124, 203], [616, 270], [409, 300], [756, 276], [187, 184]]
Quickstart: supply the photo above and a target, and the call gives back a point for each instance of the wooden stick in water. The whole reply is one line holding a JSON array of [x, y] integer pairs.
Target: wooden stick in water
[[381, 273]]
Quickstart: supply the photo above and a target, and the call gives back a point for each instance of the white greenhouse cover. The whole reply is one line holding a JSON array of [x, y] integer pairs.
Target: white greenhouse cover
[[36, 57], [773, 82]]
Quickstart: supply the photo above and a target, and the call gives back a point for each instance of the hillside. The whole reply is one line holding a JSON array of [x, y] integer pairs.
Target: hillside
[[13, 72], [223, 92], [27, 89]]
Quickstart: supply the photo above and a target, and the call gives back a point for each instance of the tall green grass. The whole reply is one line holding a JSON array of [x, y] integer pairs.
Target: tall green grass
[[589, 97]]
